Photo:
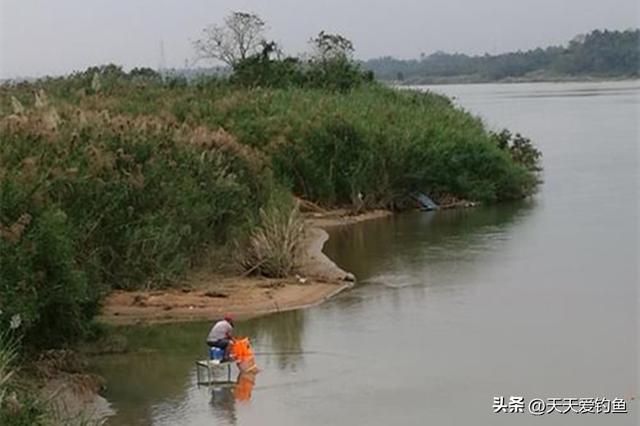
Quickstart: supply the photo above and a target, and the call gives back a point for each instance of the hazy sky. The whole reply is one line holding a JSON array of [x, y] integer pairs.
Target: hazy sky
[[57, 36]]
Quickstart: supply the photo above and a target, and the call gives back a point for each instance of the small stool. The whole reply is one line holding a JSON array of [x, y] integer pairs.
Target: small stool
[[209, 365]]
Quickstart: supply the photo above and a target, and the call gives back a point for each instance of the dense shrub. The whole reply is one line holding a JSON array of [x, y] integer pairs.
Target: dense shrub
[[261, 71], [333, 75], [90, 202], [330, 67], [41, 283], [332, 147]]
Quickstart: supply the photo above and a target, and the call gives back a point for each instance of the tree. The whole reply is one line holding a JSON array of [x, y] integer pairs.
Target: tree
[[332, 47], [241, 36], [332, 66]]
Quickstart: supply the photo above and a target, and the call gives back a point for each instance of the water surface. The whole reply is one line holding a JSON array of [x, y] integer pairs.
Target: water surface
[[536, 299]]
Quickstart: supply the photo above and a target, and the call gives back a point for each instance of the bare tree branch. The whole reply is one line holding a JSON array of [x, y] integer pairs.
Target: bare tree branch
[[240, 37]]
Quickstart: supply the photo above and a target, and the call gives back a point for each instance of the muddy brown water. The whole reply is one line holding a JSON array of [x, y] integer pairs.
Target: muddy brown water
[[536, 299]]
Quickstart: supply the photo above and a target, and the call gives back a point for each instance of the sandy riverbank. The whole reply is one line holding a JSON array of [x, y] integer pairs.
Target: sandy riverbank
[[206, 297]]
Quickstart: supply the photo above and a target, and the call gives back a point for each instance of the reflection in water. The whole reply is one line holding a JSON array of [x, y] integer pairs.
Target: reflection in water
[[396, 252], [417, 240], [160, 365], [225, 394], [244, 386], [279, 335], [158, 368], [223, 402]]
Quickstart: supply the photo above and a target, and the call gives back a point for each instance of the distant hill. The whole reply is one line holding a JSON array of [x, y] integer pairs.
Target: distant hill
[[597, 55]]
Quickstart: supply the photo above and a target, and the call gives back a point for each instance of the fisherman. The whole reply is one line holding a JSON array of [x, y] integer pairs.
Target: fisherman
[[221, 335]]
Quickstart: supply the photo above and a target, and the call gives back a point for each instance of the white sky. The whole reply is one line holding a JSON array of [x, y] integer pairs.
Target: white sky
[[40, 37]]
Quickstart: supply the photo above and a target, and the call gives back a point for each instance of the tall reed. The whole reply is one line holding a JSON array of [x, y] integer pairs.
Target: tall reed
[[275, 246]]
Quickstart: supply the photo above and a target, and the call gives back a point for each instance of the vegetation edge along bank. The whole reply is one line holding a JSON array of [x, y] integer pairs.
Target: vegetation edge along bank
[[206, 297]]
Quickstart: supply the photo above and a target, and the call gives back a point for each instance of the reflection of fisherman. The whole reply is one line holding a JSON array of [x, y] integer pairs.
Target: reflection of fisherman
[[221, 336], [244, 386], [223, 402], [225, 394]]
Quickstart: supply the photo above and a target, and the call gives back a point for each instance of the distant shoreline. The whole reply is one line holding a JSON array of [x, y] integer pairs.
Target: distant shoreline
[[510, 80]]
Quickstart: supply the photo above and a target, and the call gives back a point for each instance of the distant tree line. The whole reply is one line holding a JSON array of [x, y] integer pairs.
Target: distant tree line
[[597, 54]]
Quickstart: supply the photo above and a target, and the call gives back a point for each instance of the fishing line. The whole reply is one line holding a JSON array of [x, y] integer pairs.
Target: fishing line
[[332, 354]]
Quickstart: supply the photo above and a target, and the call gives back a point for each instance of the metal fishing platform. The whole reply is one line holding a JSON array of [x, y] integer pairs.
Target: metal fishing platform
[[207, 368]]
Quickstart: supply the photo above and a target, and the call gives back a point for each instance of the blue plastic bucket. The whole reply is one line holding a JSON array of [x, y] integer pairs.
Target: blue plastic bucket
[[216, 353]]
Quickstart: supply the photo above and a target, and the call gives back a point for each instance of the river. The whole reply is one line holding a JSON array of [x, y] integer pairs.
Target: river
[[537, 299]]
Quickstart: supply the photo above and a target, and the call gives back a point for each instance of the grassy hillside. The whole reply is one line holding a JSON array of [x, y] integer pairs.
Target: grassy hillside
[[123, 180]]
